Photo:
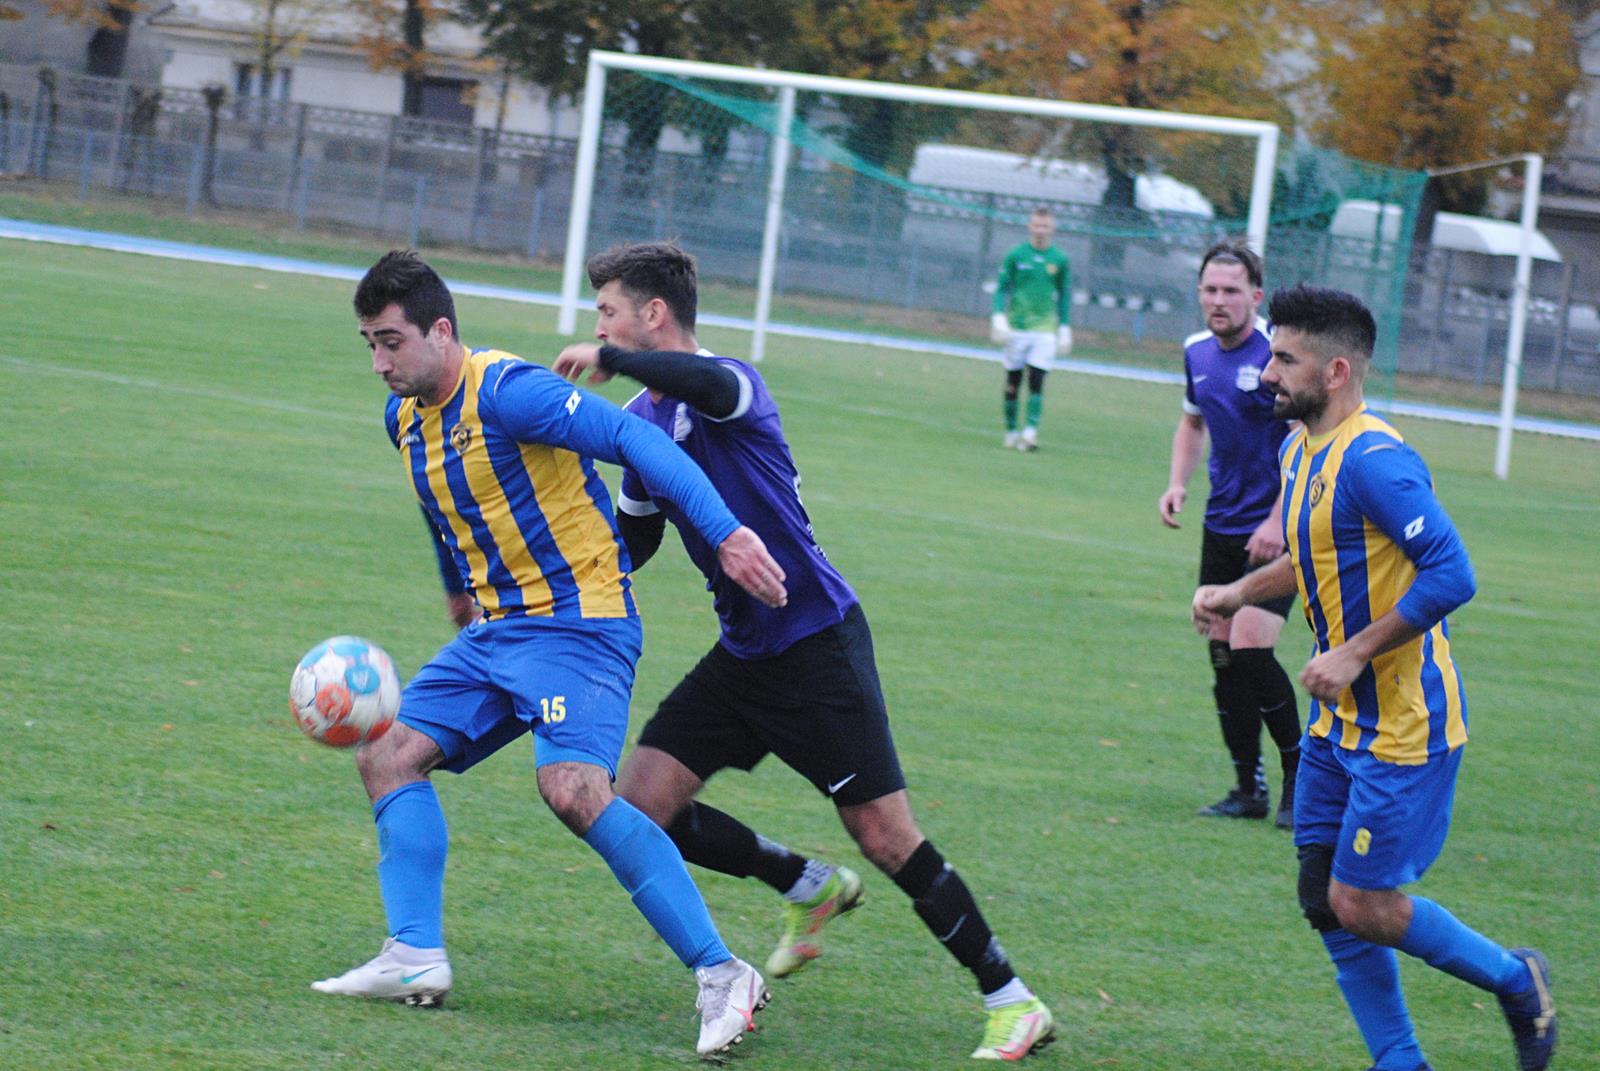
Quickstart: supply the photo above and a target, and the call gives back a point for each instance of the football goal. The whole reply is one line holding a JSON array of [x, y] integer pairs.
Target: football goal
[[858, 206]]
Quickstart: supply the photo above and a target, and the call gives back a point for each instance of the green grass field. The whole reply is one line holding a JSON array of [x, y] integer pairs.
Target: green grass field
[[196, 487]]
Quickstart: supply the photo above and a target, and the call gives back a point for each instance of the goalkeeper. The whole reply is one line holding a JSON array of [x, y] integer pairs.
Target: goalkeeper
[[1032, 307]]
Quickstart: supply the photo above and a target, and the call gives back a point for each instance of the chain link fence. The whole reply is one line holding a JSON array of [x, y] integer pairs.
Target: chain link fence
[[429, 182], [432, 182]]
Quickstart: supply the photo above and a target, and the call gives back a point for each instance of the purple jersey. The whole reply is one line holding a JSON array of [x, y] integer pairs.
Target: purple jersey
[[1223, 387], [749, 464]]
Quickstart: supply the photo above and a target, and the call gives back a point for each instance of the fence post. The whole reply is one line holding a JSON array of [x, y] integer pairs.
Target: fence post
[[986, 239], [1563, 325], [419, 195], [911, 273], [197, 167], [124, 91], [480, 147], [537, 222], [1444, 305], [383, 172], [302, 193], [83, 169], [291, 186]]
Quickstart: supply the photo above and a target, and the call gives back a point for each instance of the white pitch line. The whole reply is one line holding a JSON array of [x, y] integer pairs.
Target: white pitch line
[[23, 230]]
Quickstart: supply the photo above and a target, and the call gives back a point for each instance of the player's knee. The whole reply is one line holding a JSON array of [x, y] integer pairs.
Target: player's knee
[[396, 758], [1035, 380], [1316, 871], [1013, 382], [883, 829], [575, 792]]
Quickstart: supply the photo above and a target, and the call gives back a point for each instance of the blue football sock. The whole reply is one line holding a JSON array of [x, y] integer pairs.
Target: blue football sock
[[413, 841], [1369, 978], [649, 867], [1441, 940]]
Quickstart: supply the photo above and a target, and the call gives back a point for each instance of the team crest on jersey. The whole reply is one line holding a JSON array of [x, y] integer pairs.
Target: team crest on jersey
[[1248, 377], [1049, 269], [1318, 486], [460, 436], [681, 425]]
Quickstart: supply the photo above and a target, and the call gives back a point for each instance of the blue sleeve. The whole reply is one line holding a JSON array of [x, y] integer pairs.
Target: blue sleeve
[[534, 405], [391, 420], [1394, 491]]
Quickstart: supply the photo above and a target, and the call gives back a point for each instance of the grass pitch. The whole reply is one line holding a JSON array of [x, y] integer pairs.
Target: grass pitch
[[196, 487]]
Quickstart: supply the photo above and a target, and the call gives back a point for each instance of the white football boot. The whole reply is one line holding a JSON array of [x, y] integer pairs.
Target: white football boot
[[1012, 439], [730, 995], [416, 976], [1029, 442]]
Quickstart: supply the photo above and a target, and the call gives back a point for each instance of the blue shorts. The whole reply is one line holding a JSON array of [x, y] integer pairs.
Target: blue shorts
[[1386, 823], [570, 681]]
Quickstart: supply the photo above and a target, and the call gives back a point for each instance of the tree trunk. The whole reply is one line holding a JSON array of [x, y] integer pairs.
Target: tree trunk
[[414, 23], [108, 46]]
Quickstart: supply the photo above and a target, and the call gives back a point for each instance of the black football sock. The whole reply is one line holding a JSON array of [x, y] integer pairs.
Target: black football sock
[[718, 841], [1275, 698], [1239, 718], [944, 904]]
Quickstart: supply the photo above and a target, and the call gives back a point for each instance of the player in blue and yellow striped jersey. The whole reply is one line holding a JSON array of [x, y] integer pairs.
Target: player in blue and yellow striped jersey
[[1378, 565], [499, 451]]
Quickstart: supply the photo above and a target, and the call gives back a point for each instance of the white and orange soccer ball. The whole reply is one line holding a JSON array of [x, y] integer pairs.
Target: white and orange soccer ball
[[344, 692]]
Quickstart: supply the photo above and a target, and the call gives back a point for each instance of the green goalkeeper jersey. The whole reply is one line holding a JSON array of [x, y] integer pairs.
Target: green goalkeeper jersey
[[1035, 288]]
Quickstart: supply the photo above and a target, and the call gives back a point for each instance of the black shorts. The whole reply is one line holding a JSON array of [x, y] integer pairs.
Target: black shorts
[[817, 706], [1223, 560]]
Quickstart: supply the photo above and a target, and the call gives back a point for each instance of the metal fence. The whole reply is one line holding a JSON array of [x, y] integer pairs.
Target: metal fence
[[432, 182]]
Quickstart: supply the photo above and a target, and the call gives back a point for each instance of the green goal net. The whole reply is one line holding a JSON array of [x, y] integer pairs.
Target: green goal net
[[895, 214]]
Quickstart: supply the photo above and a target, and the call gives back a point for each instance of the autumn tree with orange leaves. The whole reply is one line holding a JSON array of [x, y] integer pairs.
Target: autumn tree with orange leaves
[[1434, 83], [1202, 56]]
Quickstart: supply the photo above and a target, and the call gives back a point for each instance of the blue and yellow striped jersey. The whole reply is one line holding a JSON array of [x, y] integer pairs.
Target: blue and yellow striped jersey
[[1366, 535], [525, 519]]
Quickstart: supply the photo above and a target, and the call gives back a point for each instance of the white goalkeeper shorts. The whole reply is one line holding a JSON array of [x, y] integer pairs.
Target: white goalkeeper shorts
[[1036, 349]]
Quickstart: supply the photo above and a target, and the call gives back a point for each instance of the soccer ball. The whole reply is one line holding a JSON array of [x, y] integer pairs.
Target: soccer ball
[[344, 692]]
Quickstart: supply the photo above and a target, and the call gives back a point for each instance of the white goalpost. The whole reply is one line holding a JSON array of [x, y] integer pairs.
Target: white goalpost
[[787, 84], [1516, 331]]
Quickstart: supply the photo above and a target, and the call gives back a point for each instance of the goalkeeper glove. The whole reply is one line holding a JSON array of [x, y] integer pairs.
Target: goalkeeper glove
[[1000, 328], [1063, 340]]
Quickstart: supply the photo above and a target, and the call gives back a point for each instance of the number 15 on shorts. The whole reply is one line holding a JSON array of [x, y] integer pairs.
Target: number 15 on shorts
[[553, 709]]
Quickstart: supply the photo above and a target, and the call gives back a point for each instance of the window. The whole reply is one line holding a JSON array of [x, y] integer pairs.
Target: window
[[449, 99], [249, 81]]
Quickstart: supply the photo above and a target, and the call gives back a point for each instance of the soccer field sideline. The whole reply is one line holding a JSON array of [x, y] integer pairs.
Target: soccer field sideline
[[22, 230]]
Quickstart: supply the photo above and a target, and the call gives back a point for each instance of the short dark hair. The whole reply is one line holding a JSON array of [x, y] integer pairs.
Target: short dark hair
[[1232, 251], [1043, 210], [1334, 316], [650, 270], [402, 278]]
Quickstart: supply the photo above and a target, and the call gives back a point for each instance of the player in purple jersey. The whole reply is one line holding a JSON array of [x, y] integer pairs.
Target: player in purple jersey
[[800, 682], [1225, 397]]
